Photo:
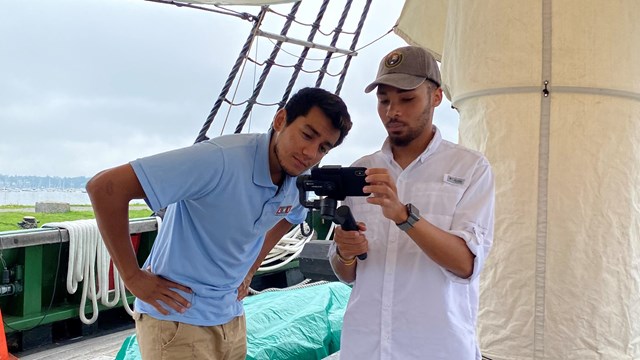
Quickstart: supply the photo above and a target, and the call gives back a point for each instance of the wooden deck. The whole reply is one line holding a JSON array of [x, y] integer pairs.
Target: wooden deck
[[103, 347]]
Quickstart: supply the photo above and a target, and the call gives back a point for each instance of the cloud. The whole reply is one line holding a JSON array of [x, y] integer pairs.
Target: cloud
[[91, 84]]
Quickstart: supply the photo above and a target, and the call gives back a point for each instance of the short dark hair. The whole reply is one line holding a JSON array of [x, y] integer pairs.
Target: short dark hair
[[331, 105]]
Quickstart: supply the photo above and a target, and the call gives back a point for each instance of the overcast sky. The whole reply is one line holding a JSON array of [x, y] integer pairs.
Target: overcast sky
[[90, 84]]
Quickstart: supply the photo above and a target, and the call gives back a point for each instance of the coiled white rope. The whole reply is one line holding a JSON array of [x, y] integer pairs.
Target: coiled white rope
[[88, 255], [287, 249], [330, 232], [290, 247]]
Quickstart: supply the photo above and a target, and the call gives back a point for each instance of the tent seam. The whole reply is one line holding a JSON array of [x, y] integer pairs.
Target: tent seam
[[543, 182]]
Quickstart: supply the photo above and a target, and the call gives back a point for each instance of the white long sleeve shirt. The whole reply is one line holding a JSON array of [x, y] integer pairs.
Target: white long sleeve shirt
[[403, 305]]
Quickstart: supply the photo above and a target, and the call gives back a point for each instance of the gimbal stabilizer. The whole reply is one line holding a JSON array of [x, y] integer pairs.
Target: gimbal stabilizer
[[333, 183]]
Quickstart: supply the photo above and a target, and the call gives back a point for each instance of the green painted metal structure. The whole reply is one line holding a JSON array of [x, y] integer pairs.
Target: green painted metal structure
[[43, 255]]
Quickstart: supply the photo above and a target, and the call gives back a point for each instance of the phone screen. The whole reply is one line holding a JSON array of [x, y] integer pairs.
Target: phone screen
[[348, 181]]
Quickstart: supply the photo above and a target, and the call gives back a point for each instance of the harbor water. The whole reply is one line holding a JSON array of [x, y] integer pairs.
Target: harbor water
[[30, 197]]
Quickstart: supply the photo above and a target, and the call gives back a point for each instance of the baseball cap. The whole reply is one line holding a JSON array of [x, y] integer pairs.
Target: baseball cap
[[406, 68]]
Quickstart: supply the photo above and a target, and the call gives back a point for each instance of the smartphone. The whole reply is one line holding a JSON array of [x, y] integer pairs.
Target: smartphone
[[336, 181]]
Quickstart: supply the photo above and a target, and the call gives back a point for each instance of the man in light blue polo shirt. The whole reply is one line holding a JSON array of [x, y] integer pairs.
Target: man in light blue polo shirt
[[229, 200]]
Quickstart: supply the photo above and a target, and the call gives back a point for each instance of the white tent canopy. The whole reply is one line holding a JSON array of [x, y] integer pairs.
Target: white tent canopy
[[550, 92]]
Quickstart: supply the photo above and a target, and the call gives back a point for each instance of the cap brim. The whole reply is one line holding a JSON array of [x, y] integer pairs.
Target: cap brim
[[400, 81]]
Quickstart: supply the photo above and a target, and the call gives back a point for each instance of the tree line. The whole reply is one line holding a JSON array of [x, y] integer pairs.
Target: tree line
[[42, 182]]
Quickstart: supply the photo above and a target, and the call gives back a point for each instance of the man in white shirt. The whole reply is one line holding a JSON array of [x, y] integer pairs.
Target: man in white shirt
[[427, 228]]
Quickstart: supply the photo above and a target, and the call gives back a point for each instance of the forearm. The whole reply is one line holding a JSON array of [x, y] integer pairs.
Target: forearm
[[271, 239], [110, 203], [115, 234], [345, 273], [342, 252], [447, 250]]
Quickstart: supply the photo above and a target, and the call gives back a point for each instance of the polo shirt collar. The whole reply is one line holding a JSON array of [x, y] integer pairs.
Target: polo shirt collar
[[261, 172]]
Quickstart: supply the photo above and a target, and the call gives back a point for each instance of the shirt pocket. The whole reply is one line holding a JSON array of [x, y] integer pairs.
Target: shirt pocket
[[437, 202]]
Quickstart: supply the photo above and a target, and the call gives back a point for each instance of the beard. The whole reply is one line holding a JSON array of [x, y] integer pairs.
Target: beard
[[412, 133], [285, 170]]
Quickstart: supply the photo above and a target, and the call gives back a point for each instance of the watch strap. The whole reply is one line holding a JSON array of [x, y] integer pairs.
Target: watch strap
[[414, 216]]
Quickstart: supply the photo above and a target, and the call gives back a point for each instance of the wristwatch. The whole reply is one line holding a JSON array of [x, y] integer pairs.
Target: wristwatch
[[414, 216]]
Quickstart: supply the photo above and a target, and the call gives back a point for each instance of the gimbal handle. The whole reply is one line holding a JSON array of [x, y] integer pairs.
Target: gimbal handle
[[344, 218]]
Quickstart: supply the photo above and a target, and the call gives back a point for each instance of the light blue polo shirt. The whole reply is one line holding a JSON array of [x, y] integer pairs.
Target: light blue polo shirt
[[221, 202]]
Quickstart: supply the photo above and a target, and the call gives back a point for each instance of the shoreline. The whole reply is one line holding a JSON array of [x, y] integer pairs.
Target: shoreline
[[76, 207]]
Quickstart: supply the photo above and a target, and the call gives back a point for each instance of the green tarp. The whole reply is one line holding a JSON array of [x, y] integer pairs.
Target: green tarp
[[294, 324]]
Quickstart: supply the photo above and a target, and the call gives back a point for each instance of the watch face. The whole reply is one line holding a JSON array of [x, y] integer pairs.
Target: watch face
[[413, 212]]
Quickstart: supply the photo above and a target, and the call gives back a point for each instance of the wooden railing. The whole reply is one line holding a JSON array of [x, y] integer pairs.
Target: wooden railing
[[41, 236]]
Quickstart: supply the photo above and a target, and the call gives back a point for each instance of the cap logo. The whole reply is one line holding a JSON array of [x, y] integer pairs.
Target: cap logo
[[392, 60]]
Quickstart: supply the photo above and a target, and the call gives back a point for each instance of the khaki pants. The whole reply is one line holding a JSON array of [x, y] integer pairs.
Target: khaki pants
[[171, 340]]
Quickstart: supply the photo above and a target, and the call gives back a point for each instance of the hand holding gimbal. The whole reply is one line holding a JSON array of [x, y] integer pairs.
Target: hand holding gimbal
[[334, 183]]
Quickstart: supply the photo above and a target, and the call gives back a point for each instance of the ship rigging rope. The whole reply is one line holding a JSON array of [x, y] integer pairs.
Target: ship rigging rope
[[265, 71], [232, 103], [302, 69], [242, 15], [244, 57], [336, 56], [88, 255], [248, 45], [234, 70], [336, 30]]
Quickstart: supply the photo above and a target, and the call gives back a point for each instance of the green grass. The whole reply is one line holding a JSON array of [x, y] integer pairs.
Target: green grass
[[9, 219], [19, 206]]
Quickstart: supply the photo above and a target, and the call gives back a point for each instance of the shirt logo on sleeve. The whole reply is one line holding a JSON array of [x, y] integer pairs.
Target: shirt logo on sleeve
[[283, 210], [454, 180]]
